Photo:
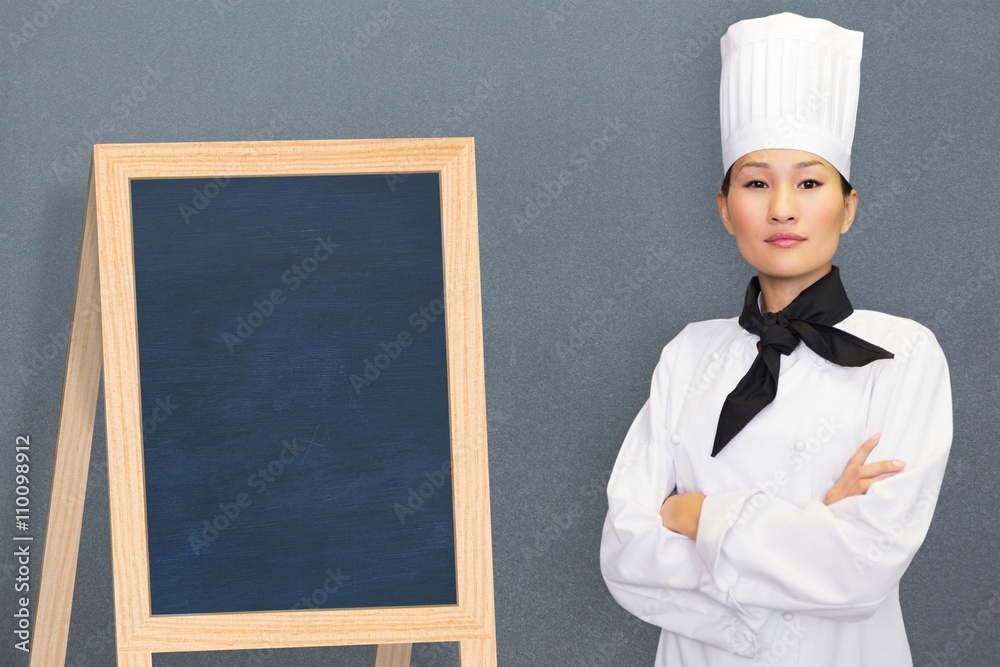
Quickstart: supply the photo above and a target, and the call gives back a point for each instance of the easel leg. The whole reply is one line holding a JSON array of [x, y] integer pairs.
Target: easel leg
[[477, 653], [72, 460], [393, 655]]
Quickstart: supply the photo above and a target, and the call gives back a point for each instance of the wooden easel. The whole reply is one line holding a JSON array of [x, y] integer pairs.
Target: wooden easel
[[86, 357]]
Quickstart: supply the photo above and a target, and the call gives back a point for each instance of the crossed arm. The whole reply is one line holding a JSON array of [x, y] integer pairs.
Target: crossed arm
[[682, 512]]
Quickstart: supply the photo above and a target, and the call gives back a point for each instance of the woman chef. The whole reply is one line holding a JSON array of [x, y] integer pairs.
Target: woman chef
[[783, 473]]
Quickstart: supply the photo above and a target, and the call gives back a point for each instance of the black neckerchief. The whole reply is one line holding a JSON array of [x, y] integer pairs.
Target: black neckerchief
[[808, 318]]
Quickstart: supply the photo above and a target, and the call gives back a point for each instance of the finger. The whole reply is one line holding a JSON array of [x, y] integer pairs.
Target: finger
[[866, 448], [880, 468]]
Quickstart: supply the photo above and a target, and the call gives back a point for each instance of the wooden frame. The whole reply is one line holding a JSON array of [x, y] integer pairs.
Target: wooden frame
[[107, 236]]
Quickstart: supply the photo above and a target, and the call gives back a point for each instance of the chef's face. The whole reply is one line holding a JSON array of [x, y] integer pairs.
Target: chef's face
[[787, 211]]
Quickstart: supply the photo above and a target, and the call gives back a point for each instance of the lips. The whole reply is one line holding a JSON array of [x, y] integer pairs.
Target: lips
[[785, 239]]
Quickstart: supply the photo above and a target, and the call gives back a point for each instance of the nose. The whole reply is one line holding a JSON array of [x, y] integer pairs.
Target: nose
[[783, 205]]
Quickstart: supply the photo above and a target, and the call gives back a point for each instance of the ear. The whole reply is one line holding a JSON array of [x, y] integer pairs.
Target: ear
[[850, 210], [723, 205]]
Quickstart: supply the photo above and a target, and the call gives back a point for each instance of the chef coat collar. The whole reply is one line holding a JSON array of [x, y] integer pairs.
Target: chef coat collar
[[809, 318]]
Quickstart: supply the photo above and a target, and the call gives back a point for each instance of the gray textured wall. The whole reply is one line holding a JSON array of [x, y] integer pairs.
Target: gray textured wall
[[574, 317]]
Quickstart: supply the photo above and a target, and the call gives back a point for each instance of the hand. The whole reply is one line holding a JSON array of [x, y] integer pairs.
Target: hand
[[681, 512], [858, 476]]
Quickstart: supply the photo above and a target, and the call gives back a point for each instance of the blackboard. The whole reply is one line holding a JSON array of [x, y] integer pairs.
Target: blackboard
[[294, 391]]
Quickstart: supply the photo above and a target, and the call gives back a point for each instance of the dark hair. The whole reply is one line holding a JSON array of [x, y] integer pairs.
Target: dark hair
[[844, 185]]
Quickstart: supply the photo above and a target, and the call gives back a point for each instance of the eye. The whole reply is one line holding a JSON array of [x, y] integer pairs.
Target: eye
[[810, 183], [755, 184]]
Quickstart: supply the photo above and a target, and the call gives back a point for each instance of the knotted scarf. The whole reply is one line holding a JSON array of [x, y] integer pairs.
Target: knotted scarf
[[808, 318]]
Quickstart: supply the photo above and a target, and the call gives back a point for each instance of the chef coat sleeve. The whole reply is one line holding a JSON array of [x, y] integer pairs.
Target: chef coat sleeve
[[652, 572], [843, 560]]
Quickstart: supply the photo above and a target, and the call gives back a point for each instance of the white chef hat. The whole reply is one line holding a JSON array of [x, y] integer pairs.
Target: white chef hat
[[789, 82]]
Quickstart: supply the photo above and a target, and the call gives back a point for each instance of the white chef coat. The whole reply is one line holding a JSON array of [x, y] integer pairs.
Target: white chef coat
[[775, 576]]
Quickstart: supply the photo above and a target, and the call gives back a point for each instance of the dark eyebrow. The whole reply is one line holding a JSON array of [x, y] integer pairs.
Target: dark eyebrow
[[765, 165]]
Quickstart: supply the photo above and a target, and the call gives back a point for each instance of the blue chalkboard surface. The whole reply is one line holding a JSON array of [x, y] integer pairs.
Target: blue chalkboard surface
[[293, 380]]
